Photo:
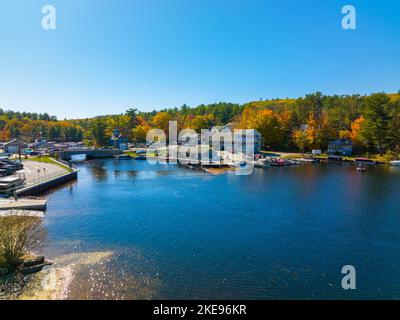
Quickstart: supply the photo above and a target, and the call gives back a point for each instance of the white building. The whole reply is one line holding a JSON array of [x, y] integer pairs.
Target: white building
[[236, 140], [244, 138]]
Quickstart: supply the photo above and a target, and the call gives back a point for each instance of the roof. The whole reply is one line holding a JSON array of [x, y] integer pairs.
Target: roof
[[340, 142], [15, 141], [247, 131]]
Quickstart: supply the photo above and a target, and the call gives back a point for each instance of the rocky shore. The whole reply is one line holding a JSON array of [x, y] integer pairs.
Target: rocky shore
[[41, 280]]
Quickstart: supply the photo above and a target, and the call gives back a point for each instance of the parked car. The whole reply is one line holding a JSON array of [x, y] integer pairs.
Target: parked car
[[6, 155], [34, 153], [9, 169], [3, 163], [19, 165], [3, 173]]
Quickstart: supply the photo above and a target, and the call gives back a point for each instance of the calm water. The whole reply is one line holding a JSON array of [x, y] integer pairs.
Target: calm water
[[279, 233]]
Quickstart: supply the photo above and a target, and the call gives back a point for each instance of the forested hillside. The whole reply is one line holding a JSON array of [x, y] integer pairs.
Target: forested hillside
[[371, 122]]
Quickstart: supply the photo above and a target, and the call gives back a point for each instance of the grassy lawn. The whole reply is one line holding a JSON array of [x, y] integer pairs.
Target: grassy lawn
[[292, 156], [48, 159], [133, 154]]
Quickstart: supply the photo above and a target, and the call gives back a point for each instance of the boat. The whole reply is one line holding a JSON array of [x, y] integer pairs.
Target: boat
[[123, 157], [291, 162], [242, 164], [277, 163], [307, 160], [365, 161], [395, 163], [361, 169], [261, 163], [335, 158], [141, 157]]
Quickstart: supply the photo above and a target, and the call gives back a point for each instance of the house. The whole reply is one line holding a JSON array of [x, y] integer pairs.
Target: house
[[316, 152], [342, 147], [14, 146], [240, 138], [41, 144], [223, 134], [118, 141]]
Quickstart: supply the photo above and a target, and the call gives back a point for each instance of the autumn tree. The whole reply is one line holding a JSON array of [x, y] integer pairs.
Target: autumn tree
[[139, 133], [301, 139], [376, 111], [97, 133], [199, 122], [394, 129], [161, 121]]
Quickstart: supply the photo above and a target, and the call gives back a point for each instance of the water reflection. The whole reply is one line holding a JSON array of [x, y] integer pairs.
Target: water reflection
[[98, 171], [279, 233]]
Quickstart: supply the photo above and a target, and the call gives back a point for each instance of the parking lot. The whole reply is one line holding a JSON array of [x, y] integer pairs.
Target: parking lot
[[34, 171]]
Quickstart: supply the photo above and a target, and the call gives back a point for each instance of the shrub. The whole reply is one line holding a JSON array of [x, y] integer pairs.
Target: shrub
[[18, 236]]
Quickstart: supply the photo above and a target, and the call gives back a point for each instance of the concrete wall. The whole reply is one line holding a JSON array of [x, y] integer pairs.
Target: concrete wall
[[47, 185]]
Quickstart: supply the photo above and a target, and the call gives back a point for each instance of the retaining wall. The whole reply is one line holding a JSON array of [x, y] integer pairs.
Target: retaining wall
[[47, 185]]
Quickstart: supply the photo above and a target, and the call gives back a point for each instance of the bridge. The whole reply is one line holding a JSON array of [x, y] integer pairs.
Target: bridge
[[89, 153]]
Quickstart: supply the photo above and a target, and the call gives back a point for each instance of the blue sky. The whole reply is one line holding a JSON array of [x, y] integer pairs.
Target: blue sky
[[108, 55]]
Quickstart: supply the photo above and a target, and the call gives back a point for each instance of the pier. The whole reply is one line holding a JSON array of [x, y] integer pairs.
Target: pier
[[24, 204]]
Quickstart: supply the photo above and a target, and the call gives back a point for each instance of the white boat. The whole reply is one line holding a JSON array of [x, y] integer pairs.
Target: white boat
[[261, 163], [395, 163], [309, 160]]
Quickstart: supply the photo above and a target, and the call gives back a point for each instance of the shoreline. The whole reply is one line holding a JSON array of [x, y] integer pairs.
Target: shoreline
[[56, 281]]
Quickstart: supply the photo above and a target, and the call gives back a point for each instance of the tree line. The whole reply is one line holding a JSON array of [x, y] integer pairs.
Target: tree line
[[371, 122]]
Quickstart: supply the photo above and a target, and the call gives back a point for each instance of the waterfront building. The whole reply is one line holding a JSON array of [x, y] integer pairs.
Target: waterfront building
[[342, 147], [14, 146], [240, 138], [118, 141]]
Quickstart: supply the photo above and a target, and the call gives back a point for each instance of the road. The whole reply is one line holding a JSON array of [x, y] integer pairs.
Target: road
[[39, 170]]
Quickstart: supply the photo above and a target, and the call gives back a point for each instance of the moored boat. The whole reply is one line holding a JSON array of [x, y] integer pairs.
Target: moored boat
[[395, 163], [124, 157], [335, 158], [365, 161], [307, 160], [361, 169], [291, 162], [277, 163], [261, 163], [141, 157]]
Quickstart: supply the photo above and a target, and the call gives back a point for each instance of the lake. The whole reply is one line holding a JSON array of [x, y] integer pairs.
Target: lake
[[280, 233]]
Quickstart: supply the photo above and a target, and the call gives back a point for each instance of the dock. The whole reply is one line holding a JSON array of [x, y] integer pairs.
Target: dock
[[24, 204], [21, 213]]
